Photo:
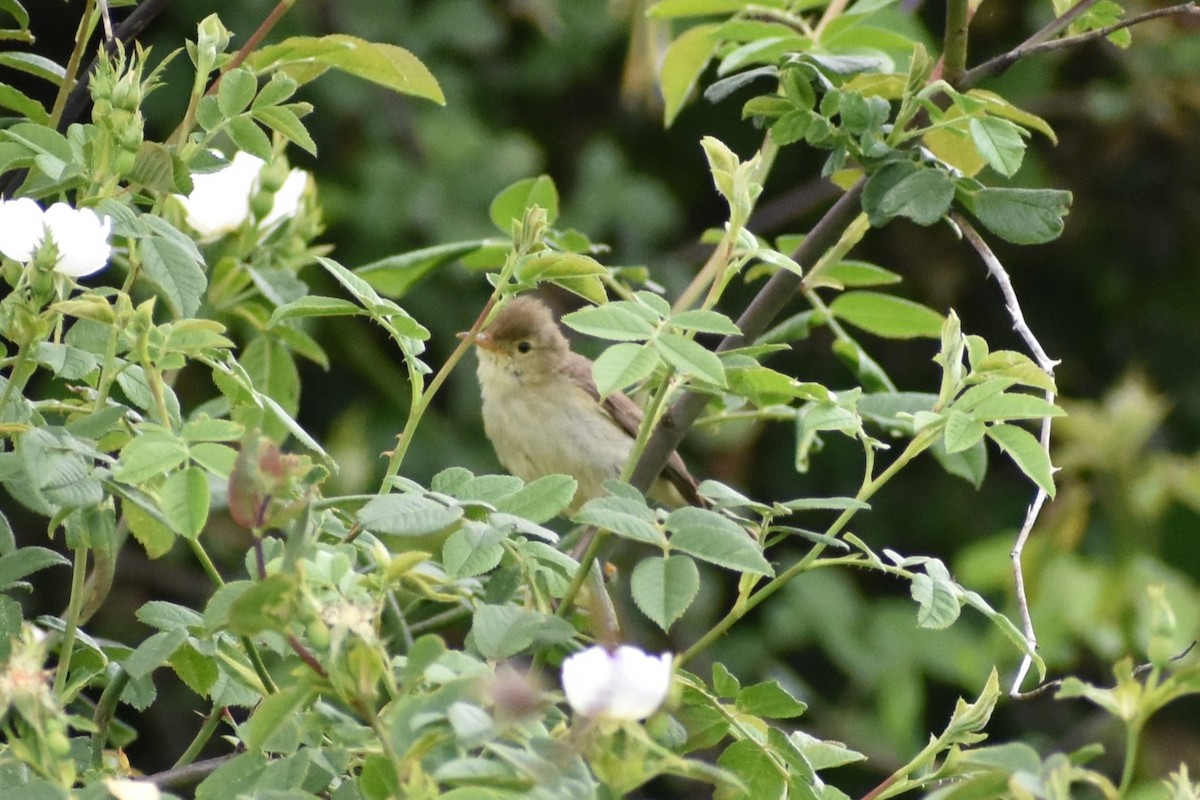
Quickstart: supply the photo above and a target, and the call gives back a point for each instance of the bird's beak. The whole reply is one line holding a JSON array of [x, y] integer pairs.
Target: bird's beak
[[482, 339]]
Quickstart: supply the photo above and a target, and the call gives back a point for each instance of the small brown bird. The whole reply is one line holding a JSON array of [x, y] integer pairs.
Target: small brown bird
[[544, 415]]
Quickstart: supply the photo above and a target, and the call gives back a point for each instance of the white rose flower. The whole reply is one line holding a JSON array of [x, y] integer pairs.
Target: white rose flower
[[80, 235], [220, 201], [21, 228], [624, 684], [125, 789]]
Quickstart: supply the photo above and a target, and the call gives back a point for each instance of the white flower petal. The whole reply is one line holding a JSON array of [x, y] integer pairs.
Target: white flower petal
[[81, 237], [287, 199], [626, 684], [220, 201], [125, 789], [21, 228]]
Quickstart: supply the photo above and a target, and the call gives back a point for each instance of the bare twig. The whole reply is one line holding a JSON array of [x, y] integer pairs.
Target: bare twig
[[997, 271], [189, 775], [1036, 46], [107, 19], [1141, 669]]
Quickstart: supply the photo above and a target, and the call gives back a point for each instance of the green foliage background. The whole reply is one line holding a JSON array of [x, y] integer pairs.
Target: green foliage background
[[534, 87]]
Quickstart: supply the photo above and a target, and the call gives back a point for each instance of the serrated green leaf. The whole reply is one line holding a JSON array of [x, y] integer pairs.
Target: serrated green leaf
[[407, 515], [999, 142], [394, 275], [887, 315], [25, 561], [541, 500], [690, 358], [149, 455], [627, 518], [962, 431], [154, 652], [472, 550], [503, 631], [175, 272], [1027, 452], [682, 64], [235, 91], [705, 321], [551, 265], [770, 700], [719, 540], [314, 306], [384, 64], [1021, 216], [904, 189], [286, 122], [664, 587], [1012, 405], [248, 136], [937, 595], [274, 710], [622, 365], [617, 321], [185, 498]]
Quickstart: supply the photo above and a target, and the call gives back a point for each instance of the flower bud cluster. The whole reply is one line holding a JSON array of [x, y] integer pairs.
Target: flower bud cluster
[[117, 92]]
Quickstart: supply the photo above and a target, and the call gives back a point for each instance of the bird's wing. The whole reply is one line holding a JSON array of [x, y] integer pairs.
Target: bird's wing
[[628, 415]]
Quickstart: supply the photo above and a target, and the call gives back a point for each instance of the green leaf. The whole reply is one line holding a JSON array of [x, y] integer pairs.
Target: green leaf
[[286, 122], [690, 358], [611, 321], [272, 371], [503, 631], [472, 550], [622, 365], [624, 516], [937, 595], [198, 672], [1012, 405], [682, 64], [1027, 452], [999, 141], [705, 321], [148, 455], [25, 561], [755, 768], [997, 106], [314, 306], [185, 497], [962, 431], [904, 189], [407, 515], [770, 700], [887, 315], [719, 540], [175, 272], [664, 587], [510, 205], [970, 464], [859, 273], [551, 265], [274, 710], [542, 500], [154, 652], [235, 91], [205, 429], [248, 136], [165, 616], [266, 605], [670, 9], [395, 275], [384, 64], [1022, 216], [23, 104]]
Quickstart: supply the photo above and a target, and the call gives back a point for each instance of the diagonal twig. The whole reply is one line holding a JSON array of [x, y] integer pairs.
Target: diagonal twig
[[1038, 44], [997, 271]]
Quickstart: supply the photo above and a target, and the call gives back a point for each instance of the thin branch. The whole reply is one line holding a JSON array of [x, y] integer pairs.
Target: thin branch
[[189, 775], [1059, 24], [954, 51], [997, 271], [763, 309], [1035, 46]]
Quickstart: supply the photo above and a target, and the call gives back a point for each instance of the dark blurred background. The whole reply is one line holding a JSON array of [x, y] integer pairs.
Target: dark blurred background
[[535, 86]]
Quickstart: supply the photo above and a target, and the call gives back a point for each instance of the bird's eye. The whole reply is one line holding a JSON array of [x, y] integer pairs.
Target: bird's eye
[[524, 347]]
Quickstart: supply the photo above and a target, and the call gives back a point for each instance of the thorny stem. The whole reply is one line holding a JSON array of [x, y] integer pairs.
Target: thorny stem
[[202, 737], [997, 271], [78, 574]]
